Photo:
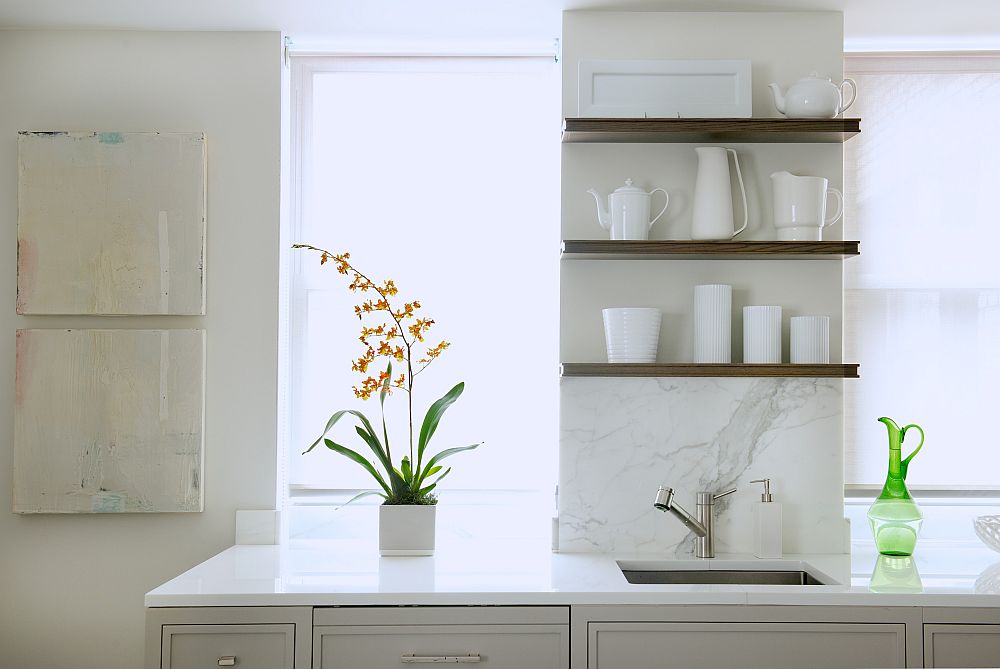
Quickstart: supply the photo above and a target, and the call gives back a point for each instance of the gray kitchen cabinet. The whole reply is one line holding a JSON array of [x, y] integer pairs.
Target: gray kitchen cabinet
[[955, 645], [246, 638], [961, 637], [749, 637], [745, 645], [497, 637]]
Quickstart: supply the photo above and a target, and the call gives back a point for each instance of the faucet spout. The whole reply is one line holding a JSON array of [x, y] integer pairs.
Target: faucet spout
[[665, 502], [703, 525]]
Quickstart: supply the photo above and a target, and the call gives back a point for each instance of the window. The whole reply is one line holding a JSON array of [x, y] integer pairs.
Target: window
[[922, 302], [442, 174]]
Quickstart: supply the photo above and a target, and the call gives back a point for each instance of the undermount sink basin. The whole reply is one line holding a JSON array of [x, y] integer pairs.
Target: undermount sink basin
[[719, 577]]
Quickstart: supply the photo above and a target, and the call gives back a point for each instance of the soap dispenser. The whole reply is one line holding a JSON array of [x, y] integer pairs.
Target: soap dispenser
[[766, 524]]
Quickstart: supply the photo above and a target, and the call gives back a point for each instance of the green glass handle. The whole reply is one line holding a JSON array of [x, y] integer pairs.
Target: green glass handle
[[904, 465]]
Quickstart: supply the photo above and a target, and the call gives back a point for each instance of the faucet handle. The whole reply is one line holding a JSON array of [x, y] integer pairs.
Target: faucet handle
[[708, 497]]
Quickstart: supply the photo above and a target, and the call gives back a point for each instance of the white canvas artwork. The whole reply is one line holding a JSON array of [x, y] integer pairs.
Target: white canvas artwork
[[111, 223], [108, 421]]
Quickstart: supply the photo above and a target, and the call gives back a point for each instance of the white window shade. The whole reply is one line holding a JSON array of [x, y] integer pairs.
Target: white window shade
[[922, 302], [443, 175]]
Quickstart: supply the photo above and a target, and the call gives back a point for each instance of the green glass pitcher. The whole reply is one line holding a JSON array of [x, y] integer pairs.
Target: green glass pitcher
[[894, 517]]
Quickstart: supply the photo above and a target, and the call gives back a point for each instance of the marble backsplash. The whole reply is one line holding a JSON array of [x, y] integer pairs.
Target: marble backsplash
[[621, 438]]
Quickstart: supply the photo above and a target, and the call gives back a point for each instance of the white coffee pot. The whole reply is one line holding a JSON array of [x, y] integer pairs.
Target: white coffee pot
[[627, 211], [813, 97]]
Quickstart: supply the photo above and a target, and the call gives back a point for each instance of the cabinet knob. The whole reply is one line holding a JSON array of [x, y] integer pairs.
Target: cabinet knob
[[227, 661]]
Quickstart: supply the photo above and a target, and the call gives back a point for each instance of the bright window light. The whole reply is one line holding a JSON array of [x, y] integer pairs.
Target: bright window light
[[922, 302], [443, 175]]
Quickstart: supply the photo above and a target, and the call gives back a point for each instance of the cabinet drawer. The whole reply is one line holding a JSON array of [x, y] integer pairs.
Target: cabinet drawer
[[399, 646], [240, 646], [961, 645], [624, 645]]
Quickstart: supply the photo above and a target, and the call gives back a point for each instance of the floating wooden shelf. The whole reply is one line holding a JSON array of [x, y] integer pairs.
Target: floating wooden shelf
[[835, 371], [825, 130], [604, 249]]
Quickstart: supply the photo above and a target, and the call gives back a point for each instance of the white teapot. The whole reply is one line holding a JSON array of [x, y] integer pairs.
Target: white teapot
[[627, 213], [813, 97]]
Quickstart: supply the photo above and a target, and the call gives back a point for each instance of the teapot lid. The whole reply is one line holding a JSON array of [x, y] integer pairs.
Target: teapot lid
[[629, 188], [815, 76]]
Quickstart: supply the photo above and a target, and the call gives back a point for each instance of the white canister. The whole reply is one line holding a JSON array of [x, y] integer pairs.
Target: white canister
[[762, 334], [631, 333], [713, 328], [810, 339]]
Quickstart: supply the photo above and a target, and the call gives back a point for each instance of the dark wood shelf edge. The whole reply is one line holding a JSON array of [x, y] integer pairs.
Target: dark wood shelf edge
[[723, 250], [831, 130], [603, 369]]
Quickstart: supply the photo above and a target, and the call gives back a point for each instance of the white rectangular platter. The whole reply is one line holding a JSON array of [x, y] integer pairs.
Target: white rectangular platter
[[665, 89]]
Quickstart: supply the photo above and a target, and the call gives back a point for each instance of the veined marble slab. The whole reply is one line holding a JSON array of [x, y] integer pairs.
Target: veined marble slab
[[621, 438]]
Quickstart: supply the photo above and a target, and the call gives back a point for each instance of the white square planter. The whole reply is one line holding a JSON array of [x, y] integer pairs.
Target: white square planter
[[406, 529]]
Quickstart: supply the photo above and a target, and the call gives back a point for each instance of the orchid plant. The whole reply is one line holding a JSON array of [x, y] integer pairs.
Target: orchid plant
[[395, 333]]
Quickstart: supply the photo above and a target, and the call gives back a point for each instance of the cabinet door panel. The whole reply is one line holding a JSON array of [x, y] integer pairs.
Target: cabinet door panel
[[961, 645], [249, 646], [745, 645], [489, 646]]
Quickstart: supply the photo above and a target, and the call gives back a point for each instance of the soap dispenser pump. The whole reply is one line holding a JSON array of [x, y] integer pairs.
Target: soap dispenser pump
[[766, 524]]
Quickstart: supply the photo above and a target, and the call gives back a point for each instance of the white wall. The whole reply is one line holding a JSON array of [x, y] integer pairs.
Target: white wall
[[621, 438], [71, 587]]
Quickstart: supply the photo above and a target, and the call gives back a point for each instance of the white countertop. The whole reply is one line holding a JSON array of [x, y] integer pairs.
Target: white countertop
[[330, 573]]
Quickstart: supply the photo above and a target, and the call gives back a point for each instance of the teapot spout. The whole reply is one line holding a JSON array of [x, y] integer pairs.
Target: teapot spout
[[603, 217], [779, 97]]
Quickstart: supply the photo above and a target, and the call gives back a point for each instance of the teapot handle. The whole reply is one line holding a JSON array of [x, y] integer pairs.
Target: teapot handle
[[743, 192], [854, 94], [904, 465], [666, 201], [830, 220]]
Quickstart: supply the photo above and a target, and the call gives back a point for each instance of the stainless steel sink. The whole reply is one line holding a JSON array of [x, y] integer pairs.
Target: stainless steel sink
[[719, 576]]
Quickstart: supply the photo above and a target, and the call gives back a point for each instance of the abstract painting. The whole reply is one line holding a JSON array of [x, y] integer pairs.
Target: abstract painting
[[108, 421], [111, 223]]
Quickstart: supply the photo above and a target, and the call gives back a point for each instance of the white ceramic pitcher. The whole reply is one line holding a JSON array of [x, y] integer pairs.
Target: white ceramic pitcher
[[713, 200], [627, 213], [800, 206]]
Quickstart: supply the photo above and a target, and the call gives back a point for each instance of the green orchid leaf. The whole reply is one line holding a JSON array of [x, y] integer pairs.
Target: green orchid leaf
[[366, 493], [438, 479], [405, 466], [424, 491], [448, 452], [395, 478], [433, 417], [361, 460]]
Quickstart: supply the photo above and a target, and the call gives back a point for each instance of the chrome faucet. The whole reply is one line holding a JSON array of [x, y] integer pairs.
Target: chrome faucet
[[703, 525]]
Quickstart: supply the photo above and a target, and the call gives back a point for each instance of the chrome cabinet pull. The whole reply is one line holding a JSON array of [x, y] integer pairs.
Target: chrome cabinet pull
[[227, 661], [410, 658]]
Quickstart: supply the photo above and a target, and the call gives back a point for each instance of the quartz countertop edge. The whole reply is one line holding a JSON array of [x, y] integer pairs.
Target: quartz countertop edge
[[331, 573]]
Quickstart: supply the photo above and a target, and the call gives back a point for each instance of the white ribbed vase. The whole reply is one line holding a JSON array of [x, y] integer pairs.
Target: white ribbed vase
[[713, 326], [762, 334], [810, 339]]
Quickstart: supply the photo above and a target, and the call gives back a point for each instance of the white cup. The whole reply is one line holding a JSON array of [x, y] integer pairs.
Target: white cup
[[631, 333], [762, 334], [810, 340], [713, 327], [800, 206]]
